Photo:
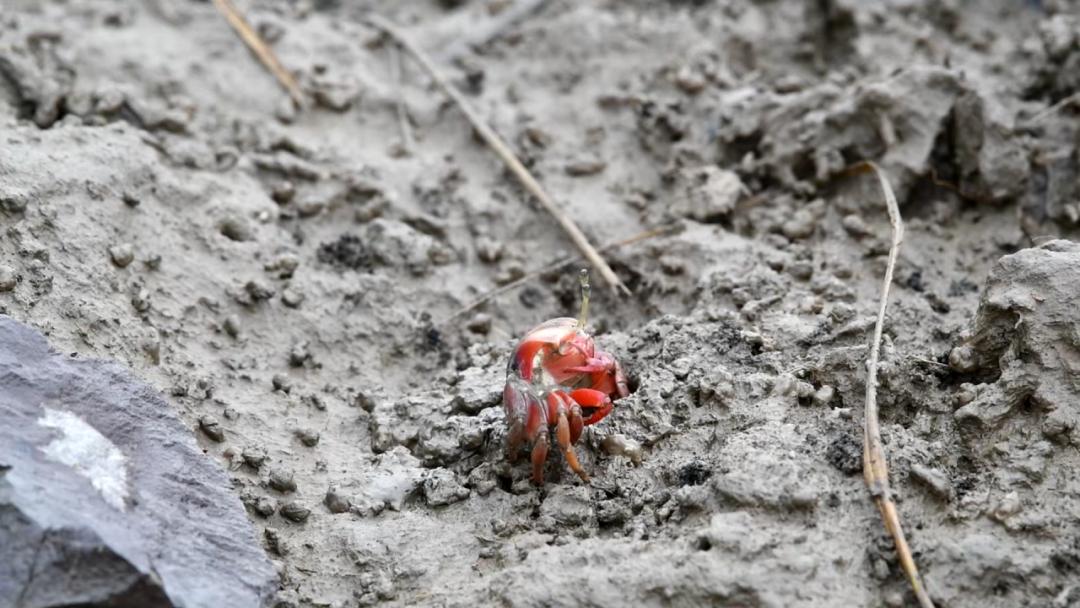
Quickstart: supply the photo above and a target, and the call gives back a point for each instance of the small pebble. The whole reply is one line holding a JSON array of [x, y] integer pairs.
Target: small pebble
[[292, 297], [254, 457], [488, 250], [801, 270], [282, 481], [295, 512], [283, 192], [281, 383], [310, 207], [935, 480], [855, 226], [800, 226], [962, 359], [232, 326], [1005, 508], [153, 262], [212, 428], [824, 395], [264, 506], [308, 437], [7, 278], [299, 354], [259, 289], [141, 300], [274, 543], [122, 254], [689, 81], [235, 229], [585, 167], [480, 323], [335, 501], [620, 445]]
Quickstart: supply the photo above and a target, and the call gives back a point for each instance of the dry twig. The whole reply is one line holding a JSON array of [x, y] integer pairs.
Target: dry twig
[[485, 32], [1068, 101], [262, 50], [875, 468], [407, 142], [503, 152], [498, 291]]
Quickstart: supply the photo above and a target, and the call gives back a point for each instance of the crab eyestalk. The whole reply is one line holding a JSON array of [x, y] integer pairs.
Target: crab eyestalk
[[583, 316]]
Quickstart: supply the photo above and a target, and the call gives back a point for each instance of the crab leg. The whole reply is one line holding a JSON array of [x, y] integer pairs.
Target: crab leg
[[558, 405], [539, 456]]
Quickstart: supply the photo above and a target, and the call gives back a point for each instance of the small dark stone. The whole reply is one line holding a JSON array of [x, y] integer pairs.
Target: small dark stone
[[295, 512], [283, 192], [273, 542], [480, 323], [281, 383], [254, 457], [308, 437], [259, 289], [845, 454], [915, 281], [235, 229], [346, 252], [693, 474], [282, 481], [335, 501], [232, 326]]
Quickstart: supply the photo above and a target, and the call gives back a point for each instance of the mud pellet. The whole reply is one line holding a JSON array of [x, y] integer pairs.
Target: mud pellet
[[212, 428], [282, 481], [122, 255], [335, 502], [295, 512], [308, 437]]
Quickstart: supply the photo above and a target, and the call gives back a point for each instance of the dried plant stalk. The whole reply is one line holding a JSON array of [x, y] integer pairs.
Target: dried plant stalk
[[504, 153], [262, 50], [875, 468], [498, 291]]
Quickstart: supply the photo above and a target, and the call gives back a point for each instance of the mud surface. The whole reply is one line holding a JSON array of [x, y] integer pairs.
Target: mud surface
[[285, 278]]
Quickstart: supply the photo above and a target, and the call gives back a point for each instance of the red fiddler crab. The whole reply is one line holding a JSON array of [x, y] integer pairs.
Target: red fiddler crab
[[558, 378]]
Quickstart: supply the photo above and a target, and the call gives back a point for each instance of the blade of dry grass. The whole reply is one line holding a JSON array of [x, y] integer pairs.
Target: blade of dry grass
[[875, 467], [498, 291], [262, 50], [487, 31], [504, 153]]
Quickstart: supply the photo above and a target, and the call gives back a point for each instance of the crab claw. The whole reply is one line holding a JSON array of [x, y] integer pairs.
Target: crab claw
[[597, 401]]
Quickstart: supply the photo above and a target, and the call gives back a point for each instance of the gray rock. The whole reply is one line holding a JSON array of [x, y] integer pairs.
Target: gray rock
[[709, 194], [1024, 337], [442, 488], [105, 498], [122, 255], [936, 481], [478, 389]]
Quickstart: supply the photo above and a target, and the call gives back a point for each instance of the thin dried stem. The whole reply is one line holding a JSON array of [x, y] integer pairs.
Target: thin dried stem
[[407, 141], [1068, 101], [503, 152], [485, 32], [487, 297], [875, 468], [262, 50]]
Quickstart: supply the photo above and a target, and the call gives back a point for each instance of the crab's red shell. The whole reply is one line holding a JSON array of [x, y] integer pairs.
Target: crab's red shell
[[557, 377]]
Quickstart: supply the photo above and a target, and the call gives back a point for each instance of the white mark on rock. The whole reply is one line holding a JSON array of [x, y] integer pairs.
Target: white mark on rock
[[81, 447]]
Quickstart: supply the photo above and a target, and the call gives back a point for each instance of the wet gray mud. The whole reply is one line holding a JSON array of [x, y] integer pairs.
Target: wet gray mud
[[284, 279]]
